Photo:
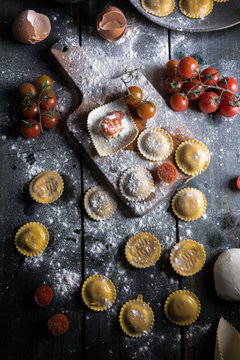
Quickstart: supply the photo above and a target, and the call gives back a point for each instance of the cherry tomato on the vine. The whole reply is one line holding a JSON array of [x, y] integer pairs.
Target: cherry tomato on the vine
[[28, 90], [209, 76], [30, 128], [228, 83], [43, 295], [209, 102], [134, 96], [188, 68], [170, 68], [193, 89], [229, 106], [49, 102], [178, 102], [49, 120], [146, 110], [44, 82], [29, 110], [173, 84]]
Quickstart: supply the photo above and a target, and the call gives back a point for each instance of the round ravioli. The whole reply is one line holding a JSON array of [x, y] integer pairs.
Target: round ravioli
[[155, 144], [99, 204], [136, 318], [192, 157], [196, 8], [31, 239], [46, 187], [189, 204], [182, 307], [158, 7], [136, 183], [98, 292]]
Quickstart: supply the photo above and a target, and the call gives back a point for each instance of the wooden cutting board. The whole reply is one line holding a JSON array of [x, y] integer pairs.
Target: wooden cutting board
[[97, 90]]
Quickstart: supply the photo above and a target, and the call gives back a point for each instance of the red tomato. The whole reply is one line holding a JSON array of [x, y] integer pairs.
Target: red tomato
[[167, 172], [170, 68], [209, 76], [146, 110], [30, 128], [209, 102], [193, 91], [49, 102], [173, 84], [43, 295], [134, 96], [112, 123], [229, 106], [228, 83], [29, 110], [43, 82], [178, 102], [238, 182], [49, 120], [27, 89], [188, 68], [58, 324]]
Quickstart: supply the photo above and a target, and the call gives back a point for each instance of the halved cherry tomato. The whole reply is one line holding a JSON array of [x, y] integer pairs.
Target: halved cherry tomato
[[209, 76], [238, 182], [49, 102], [229, 106], [134, 96], [209, 102], [44, 83], [170, 67], [29, 109], [228, 83], [112, 123], [173, 84], [193, 91], [43, 295], [167, 172], [188, 68], [146, 110], [178, 102], [49, 120], [58, 324], [28, 89], [30, 128]]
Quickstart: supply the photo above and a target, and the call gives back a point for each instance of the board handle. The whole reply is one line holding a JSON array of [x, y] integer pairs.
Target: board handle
[[76, 63]]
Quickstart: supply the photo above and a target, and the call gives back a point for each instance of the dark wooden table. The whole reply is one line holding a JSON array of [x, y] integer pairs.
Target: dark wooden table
[[80, 247]]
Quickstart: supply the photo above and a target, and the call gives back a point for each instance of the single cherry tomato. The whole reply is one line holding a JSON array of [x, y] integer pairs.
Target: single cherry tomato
[[228, 83], [134, 96], [146, 110], [44, 83], [43, 295], [29, 109], [167, 172], [58, 324], [170, 68], [229, 106], [193, 91], [173, 84], [49, 102], [49, 120], [238, 182], [28, 90], [30, 128], [209, 77], [112, 123], [178, 102], [188, 68], [209, 102]]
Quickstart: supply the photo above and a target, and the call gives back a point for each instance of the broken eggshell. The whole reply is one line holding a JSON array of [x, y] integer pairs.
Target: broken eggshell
[[31, 27], [111, 23]]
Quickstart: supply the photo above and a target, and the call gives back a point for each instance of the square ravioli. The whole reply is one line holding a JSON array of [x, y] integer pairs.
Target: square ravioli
[[109, 145]]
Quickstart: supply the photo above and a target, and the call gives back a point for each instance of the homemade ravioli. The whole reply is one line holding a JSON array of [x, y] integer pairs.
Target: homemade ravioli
[[99, 204], [46, 187], [158, 7], [196, 8], [31, 239], [189, 204]]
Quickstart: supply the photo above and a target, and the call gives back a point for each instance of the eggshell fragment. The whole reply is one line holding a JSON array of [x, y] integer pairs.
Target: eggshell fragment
[[31, 27], [111, 23]]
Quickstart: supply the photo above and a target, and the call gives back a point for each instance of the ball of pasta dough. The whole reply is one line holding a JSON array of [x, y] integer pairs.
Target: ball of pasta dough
[[227, 275]]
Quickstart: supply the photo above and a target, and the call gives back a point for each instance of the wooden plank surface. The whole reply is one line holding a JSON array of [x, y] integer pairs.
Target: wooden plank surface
[[83, 247]]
